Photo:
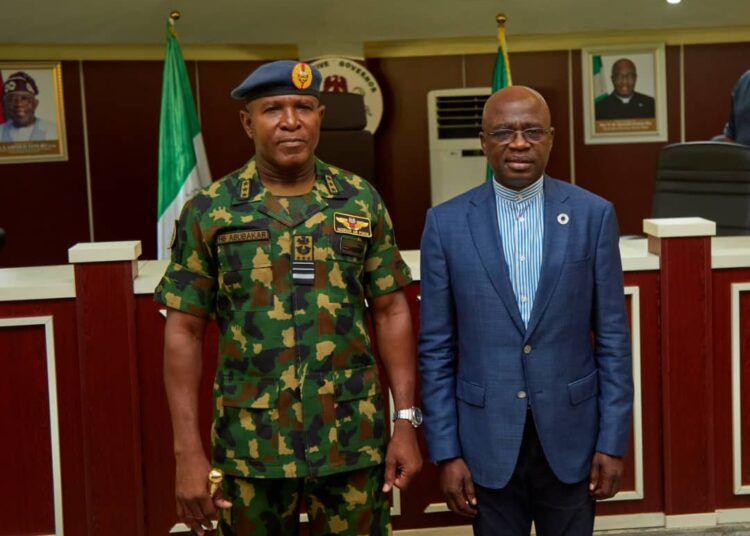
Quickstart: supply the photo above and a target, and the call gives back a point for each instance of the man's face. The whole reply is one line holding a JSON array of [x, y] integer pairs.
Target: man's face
[[518, 163], [285, 129], [624, 77], [20, 107]]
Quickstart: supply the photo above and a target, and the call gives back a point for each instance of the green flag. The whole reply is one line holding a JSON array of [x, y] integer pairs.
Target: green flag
[[183, 168], [600, 81], [501, 74]]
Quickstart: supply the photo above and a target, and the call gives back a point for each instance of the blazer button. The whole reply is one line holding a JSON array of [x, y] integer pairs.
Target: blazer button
[[521, 394], [527, 349]]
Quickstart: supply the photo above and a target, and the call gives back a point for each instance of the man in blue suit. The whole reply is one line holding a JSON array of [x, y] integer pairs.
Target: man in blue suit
[[527, 414]]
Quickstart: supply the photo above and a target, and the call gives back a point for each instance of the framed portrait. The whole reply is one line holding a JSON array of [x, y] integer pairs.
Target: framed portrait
[[32, 118], [624, 93]]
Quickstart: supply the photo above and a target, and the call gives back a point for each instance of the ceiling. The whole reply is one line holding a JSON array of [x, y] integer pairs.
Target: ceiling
[[248, 22]]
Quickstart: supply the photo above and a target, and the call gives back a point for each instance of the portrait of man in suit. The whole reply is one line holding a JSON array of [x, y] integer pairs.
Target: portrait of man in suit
[[625, 102], [527, 415]]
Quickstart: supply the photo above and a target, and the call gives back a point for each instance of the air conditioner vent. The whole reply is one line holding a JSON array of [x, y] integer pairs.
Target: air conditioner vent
[[459, 116]]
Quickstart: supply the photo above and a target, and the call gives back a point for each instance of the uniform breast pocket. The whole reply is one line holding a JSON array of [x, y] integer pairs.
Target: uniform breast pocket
[[345, 266], [247, 426], [246, 274]]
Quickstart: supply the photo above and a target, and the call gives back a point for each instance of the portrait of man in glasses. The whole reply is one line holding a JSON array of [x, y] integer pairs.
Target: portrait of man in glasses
[[624, 102], [526, 415]]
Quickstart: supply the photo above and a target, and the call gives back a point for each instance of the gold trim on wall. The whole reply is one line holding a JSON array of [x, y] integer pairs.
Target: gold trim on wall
[[383, 49]]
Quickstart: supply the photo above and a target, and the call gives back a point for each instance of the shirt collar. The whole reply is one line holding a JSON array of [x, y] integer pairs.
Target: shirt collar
[[532, 190]]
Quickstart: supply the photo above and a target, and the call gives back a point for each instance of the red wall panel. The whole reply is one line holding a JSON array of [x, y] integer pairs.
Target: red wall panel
[[25, 451], [710, 74], [43, 206], [624, 173]]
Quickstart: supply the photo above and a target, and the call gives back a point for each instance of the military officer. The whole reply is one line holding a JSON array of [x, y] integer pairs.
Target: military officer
[[283, 253]]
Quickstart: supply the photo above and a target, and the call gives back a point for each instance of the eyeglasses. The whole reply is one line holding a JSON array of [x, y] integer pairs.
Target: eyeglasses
[[531, 135]]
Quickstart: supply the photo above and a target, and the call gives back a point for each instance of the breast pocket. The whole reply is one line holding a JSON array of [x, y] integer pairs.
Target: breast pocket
[[246, 274]]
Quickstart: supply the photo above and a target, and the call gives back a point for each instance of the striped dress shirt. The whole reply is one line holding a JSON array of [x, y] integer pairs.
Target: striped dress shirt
[[520, 217]]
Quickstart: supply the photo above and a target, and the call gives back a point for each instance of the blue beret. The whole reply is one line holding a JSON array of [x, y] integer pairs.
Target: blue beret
[[284, 77]]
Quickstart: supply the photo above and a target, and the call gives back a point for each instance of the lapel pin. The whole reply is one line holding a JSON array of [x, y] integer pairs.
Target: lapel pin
[[563, 219]]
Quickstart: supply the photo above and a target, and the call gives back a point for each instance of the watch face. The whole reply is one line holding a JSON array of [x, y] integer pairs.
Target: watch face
[[417, 417]]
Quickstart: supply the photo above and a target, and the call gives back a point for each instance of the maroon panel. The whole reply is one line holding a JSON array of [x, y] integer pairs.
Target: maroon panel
[[710, 74], [24, 408], [687, 374], [402, 159], [158, 458], [35, 433], [110, 390], [722, 387], [123, 105], [547, 72], [651, 400], [227, 145], [744, 374], [624, 173], [43, 206]]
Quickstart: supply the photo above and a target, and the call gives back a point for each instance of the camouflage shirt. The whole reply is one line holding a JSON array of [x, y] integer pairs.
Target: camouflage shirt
[[296, 390]]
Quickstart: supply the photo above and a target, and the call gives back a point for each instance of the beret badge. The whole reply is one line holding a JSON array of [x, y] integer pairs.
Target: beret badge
[[302, 76]]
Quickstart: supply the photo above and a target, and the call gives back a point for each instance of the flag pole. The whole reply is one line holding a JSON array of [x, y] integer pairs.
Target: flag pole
[[501, 72], [501, 19]]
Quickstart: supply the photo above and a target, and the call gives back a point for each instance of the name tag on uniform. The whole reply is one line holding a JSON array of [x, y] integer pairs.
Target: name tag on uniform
[[243, 236], [352, 225]]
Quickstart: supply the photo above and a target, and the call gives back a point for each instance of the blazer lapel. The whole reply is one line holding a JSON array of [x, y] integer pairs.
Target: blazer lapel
[[484, 231], [553, 250]]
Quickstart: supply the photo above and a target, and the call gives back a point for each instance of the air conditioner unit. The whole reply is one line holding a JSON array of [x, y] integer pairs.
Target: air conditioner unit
[[456, 160]]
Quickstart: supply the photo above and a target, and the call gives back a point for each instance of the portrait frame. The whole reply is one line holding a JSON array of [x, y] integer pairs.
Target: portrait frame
[[46, 140], [628, 120]]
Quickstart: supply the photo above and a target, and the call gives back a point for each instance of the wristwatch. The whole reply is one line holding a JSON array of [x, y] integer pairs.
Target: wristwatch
[[412, 414]]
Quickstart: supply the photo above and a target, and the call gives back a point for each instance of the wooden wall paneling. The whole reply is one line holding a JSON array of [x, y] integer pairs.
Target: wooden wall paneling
[[687, 373], [547, 72], [123, 106], [43, 206], [24, 408], [227, 145], [624, 173], [156, 426], [726, 321], [26, 452], [110, 397], [402, 160], [710, 74], [647, 284]]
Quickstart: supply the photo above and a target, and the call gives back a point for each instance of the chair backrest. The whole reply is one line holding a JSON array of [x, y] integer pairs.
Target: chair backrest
[[343, 141], [707, 179]]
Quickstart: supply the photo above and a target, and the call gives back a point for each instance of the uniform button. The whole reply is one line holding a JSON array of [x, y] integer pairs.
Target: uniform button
[[522, 258], [527, 349], [524, 299], [521, 394], [521, 219]]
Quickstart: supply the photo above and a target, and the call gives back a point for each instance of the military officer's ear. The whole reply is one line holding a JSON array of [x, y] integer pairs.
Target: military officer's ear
[[321, 111], [246, 118]]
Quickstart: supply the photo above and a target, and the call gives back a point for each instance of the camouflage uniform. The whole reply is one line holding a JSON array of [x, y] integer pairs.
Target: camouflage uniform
[[296, 392], [343, 503]]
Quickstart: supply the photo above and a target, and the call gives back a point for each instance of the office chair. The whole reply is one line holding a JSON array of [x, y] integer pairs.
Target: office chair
[[707, 179]]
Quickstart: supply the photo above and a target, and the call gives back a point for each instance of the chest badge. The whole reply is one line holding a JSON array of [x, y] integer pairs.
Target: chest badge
[[563, 219], [352, 225]]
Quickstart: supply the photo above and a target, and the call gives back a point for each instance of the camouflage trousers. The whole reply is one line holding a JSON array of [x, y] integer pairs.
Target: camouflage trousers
[[350, 504]]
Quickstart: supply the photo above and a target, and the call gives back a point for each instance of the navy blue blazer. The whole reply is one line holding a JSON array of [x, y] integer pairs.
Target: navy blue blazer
[[480, 367]]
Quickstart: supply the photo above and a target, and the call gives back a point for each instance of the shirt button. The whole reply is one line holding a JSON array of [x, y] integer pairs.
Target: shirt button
[[522, 258], [521, 394], [521, 219], [524, 299], [527, 349]]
